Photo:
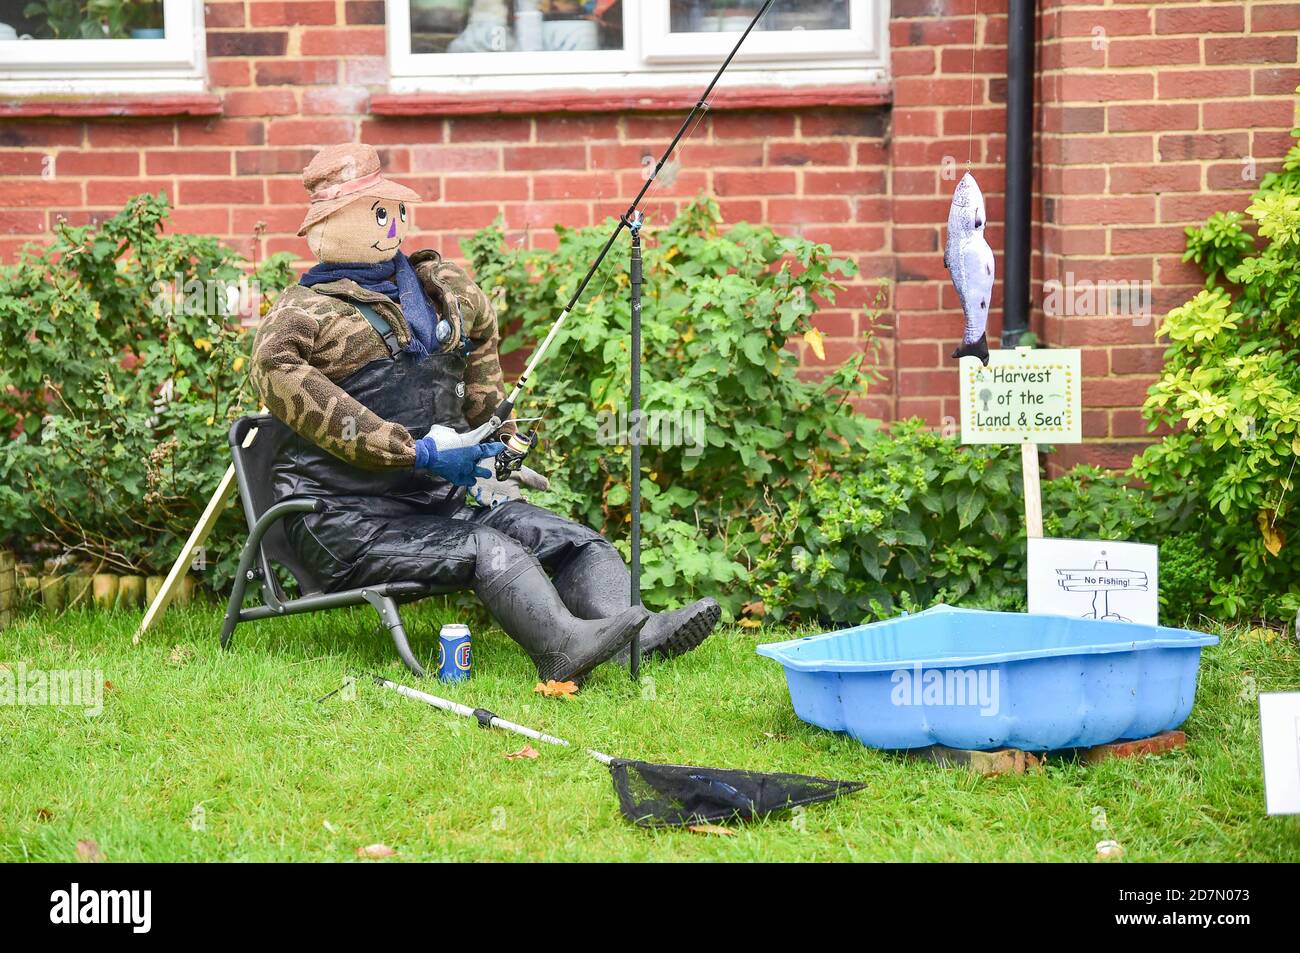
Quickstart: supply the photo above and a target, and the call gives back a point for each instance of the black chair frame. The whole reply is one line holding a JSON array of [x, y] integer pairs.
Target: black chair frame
[[268, 545]]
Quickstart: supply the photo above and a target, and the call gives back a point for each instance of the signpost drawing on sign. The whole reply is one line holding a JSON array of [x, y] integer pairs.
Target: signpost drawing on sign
[[1094, 579], [1101, 581]]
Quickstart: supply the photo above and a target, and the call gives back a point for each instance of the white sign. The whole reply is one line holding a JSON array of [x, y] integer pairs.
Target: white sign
[[1279, 728], [1025, 395], [1094, 579]]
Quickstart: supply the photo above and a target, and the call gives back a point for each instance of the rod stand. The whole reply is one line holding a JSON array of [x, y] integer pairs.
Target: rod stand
[[634, 222]]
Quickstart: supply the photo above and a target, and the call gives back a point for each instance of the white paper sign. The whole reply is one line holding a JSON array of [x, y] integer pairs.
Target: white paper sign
[[1094, 579], [1025, 395], [1279, 728]]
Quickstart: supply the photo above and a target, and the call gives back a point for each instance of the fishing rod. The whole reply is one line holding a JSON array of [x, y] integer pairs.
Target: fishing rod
[[518, 445]]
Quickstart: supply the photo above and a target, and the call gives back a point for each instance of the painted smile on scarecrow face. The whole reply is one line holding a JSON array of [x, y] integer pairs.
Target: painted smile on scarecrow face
[[390, 219]]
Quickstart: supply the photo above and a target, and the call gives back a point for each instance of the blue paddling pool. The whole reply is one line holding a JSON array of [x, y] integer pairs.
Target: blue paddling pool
[[968, 678]]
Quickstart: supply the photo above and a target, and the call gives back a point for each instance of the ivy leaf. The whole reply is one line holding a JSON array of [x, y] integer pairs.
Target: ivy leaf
[[755, 348]]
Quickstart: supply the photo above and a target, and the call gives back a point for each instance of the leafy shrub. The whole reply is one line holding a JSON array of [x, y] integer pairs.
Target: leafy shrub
[[913, 518], [1231, 389], [122, 364], [1090, 503], [1186, 578], [719, 309]]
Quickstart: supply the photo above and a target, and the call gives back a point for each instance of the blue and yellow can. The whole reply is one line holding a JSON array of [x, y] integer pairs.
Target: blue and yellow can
[[454, 654]]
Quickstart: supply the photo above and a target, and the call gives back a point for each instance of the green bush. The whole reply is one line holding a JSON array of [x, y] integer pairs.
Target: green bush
[[909, 520], [1186, 578], [1090, 503], [720, 307], [122, 364], [913, 518], [1230, 388]]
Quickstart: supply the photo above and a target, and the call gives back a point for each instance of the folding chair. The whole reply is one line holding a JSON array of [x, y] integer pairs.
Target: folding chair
[[268, 545]]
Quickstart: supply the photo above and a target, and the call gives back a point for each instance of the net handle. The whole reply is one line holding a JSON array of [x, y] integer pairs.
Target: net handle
[[486, 718]]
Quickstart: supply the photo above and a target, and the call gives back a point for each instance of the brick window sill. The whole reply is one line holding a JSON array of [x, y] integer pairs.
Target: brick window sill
[[178, 104], [626, 100]]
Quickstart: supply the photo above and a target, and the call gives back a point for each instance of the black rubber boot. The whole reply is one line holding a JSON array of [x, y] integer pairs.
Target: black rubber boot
[[524, 602], [595, 583]]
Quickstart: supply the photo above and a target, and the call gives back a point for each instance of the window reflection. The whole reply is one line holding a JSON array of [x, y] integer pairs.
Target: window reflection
[[81, 20], [505, 26], [711, 16]]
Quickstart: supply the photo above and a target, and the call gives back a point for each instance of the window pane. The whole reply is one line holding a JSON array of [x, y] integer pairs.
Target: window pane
[[710, 16], [505, 26], [81, 19]]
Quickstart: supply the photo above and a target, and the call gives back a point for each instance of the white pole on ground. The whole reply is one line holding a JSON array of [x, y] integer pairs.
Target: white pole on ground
[[496, 721], [198, 536]]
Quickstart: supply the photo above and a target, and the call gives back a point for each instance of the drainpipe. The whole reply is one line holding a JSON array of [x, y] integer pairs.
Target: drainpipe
[[1020, 170]]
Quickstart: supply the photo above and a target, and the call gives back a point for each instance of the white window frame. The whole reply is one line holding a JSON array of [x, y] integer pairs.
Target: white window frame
[[652, 56], [175, 64]]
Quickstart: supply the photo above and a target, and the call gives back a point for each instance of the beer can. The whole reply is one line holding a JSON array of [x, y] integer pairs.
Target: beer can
[[454, 654]]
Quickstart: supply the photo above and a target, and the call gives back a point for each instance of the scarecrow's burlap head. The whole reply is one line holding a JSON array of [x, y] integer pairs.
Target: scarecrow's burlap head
[[356, 215]]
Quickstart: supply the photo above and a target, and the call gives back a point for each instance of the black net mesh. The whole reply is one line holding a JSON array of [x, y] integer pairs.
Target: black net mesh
[[665, 795]]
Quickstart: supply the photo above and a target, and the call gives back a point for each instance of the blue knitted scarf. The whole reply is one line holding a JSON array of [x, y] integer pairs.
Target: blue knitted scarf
[[397, 279]]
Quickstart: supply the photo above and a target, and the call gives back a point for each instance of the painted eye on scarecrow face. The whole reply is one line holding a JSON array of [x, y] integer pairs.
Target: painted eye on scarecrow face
[[381, 217], [401, 211]]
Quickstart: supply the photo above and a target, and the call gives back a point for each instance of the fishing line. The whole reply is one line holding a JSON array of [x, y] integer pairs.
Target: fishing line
[[506, 407], [1286, 485], [655, 193], [974, 46]]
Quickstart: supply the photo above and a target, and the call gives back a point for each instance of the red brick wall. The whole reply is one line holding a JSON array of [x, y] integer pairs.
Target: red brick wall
[[1138, 138], [949, 77], [1174, 112]]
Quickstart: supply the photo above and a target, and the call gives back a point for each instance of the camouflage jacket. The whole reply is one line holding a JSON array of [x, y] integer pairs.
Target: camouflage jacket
[[312, 338]]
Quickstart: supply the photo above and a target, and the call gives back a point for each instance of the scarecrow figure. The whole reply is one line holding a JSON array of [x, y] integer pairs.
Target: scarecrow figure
[[384, 371]]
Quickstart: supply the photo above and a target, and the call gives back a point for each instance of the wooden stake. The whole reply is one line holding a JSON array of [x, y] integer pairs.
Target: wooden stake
[[197, 538], [179, 568], [1033, 493]]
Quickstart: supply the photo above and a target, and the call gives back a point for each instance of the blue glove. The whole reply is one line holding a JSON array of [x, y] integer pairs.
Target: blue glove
[[456, 465]]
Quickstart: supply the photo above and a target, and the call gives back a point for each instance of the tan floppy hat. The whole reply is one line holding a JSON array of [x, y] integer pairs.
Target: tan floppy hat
[[339, 175]]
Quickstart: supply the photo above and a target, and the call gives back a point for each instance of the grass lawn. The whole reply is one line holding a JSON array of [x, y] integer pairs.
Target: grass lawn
[[281, 776]]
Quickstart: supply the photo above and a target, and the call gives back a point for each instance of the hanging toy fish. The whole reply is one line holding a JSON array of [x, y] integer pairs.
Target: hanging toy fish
[[969, 260]]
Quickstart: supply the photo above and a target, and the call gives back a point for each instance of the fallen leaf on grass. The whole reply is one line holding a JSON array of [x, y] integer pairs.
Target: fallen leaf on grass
[[527, 751], [44, 814], [553, 689], [715, 829], [109, 686], [1259, 634], [88, 852], [180, 654], [375, 852], [1109, 850]]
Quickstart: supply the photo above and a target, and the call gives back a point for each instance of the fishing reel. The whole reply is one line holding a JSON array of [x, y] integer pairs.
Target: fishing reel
[[511, 457]]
